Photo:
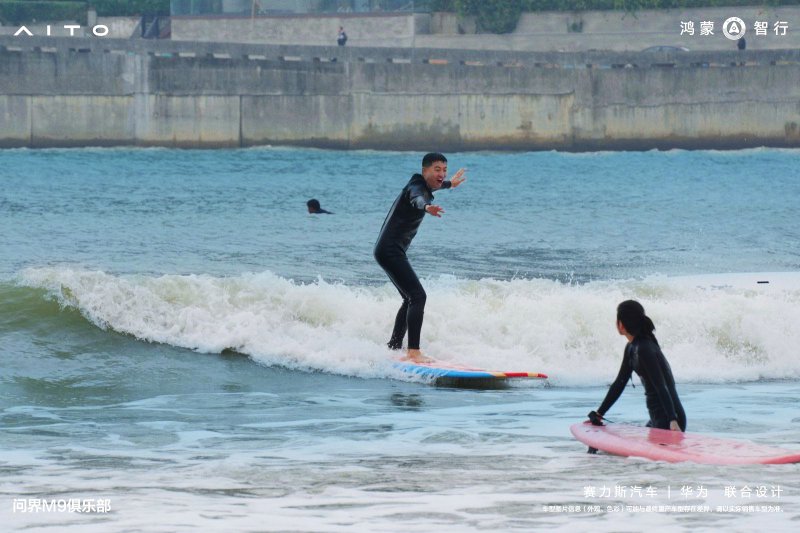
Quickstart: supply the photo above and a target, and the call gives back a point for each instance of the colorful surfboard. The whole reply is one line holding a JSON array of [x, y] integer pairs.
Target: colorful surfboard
[[675, 447], [443, 370]]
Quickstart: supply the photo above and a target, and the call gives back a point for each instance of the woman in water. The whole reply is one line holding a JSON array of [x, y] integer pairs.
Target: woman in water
[[643, 355]]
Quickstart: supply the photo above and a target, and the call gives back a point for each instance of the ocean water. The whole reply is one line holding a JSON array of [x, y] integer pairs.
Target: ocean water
[[186, 347]]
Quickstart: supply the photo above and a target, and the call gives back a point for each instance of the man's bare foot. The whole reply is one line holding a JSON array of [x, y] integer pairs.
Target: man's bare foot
[[416, 356]]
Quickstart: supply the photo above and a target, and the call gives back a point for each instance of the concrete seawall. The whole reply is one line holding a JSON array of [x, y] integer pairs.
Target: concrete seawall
[[562, 31], [78, 92]]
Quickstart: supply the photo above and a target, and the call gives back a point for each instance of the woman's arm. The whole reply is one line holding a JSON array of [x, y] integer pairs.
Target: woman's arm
[[616, 388]]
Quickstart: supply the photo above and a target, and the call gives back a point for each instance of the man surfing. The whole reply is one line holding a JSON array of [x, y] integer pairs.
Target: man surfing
[[396, 234]]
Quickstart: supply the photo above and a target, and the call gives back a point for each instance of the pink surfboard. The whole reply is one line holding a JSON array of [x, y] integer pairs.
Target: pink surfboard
[[676, 447]]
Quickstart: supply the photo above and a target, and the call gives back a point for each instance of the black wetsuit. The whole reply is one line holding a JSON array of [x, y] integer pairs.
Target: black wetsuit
[[396, 234], [644, 356]]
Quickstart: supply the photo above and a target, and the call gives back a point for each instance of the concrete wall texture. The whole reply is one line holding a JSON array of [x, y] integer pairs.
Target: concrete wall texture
[[543, 31], [375, 30], [95, 91]]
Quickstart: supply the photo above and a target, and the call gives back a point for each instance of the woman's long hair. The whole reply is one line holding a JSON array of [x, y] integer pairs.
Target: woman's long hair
[[631, 314]]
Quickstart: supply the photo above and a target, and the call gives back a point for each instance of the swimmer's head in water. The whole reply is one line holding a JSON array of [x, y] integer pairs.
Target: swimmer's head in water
[[313, 206]]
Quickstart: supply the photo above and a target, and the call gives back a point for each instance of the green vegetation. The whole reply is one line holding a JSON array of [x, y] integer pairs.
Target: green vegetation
[[20, 12], [492, 16], [17, 12], [125, 8], [501, 16]]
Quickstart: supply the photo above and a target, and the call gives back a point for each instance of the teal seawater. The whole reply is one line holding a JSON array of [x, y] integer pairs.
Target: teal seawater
[[560, 216]]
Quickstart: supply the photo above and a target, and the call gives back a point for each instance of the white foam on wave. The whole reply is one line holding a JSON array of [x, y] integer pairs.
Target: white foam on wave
[[712, 329]]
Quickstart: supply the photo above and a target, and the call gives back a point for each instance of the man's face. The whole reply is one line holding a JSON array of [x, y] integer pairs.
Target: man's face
[[434, 175]]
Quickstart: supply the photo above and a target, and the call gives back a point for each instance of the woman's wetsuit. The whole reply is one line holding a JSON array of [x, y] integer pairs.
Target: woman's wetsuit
[[644, 356], [396, 234]]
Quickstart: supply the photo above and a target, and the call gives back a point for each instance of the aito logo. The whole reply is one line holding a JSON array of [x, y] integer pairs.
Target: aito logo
[[99, 30]]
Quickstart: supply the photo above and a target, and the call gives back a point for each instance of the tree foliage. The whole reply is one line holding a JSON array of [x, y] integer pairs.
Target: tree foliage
[[125, 8], [492, 16], [18, 12]]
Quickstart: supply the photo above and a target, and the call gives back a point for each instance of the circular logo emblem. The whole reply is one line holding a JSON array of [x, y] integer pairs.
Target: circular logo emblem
[[734, 28]]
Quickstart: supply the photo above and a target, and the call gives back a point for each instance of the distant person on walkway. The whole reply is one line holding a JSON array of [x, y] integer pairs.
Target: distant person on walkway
[[741, 44], [342, 38], [397, 232], [315, 209]]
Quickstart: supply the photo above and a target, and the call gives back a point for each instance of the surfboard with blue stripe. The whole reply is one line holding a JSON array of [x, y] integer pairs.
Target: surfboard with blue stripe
[[444, 369]]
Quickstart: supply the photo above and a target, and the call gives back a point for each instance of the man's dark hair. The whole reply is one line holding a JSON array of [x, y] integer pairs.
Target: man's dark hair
[[432, 158], [314, 204]]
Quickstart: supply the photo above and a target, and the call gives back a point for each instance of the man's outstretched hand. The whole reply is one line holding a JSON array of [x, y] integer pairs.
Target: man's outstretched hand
[[434, 210], [458, 178]]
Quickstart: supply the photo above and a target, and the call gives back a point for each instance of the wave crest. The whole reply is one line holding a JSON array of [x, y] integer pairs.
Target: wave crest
[[713, 329]]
